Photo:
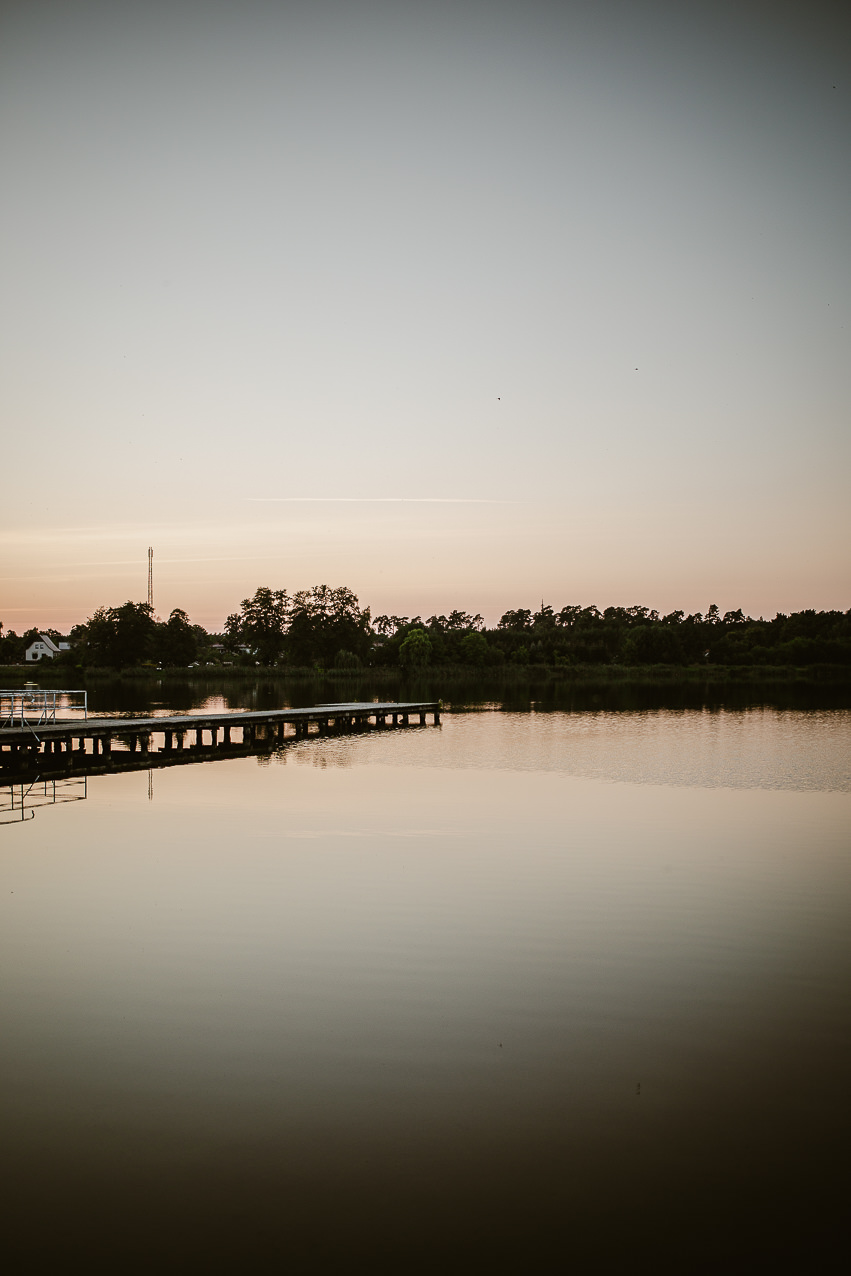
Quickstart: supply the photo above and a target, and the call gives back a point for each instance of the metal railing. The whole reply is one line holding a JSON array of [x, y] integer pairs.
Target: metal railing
[[30, 707]]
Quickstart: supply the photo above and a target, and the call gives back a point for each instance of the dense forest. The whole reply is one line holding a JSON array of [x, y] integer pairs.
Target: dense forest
[[327, 629]]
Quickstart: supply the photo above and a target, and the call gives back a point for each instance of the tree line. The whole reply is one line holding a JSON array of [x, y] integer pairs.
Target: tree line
[[327, 628]]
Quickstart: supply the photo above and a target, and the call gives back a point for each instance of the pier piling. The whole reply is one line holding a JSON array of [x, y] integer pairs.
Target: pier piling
[[60, 743]]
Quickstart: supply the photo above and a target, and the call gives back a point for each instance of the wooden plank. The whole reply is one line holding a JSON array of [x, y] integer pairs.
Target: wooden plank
[[95, 728]]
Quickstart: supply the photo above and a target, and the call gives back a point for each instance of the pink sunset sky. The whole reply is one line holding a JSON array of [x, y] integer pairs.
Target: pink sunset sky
[[464, 305]]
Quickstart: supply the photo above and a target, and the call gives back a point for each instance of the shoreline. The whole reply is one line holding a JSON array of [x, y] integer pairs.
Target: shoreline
[[56, 675]]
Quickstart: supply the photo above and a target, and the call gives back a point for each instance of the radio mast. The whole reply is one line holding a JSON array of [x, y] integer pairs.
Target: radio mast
[[150, 576]]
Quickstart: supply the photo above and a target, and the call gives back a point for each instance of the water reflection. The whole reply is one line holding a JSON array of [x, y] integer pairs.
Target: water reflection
[[541, 691], [758, 748], [523, 992], [19, 802]]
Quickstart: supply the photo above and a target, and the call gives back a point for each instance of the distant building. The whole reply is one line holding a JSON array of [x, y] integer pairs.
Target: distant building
[[44, 646]]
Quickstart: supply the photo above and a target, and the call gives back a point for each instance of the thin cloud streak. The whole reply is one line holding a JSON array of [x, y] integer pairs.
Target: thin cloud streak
[[383, 500]]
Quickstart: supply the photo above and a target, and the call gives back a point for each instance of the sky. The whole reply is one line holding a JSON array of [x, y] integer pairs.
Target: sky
[[462, 305]]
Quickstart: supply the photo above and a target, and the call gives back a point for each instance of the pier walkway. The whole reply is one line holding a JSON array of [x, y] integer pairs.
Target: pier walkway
[[58, 743]]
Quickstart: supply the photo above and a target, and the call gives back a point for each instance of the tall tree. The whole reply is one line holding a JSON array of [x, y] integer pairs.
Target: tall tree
[[324, 622], [261, 623], [120, 637], [416, 649], [177, 642]]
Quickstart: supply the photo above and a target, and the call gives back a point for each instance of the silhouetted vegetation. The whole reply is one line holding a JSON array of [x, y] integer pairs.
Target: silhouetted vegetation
[[326, 629], [575, 637]]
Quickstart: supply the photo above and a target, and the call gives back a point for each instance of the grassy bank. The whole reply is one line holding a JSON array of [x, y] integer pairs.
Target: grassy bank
[[55, 676]]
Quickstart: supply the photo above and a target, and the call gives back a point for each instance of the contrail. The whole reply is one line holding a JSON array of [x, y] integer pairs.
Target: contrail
[[384, 500]]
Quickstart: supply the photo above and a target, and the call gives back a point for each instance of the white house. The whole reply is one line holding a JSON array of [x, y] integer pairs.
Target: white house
[[45, 646]]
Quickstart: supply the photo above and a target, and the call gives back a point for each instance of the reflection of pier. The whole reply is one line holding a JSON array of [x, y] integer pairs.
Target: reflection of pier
[[19, 801], [119, 744]]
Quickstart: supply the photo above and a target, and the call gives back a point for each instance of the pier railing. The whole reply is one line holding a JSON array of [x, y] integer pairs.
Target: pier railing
[[31, 707], [18, 801]]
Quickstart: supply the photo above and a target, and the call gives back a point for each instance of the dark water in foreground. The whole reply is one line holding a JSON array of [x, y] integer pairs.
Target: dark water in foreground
[[529, 991]]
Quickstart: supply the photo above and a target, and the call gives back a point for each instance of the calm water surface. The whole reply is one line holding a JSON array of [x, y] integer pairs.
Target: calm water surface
[[527, 991]]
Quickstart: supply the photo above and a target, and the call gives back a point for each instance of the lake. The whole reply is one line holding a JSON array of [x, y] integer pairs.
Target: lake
[[533, 990]]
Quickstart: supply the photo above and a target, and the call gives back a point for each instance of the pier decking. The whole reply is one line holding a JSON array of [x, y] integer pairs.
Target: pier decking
[[58, 744]]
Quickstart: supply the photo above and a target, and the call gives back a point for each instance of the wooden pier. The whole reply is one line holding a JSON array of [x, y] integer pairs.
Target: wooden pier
[[60, 744]]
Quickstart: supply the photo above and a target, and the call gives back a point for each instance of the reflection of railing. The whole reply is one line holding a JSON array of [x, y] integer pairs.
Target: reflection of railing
[[33, 708], [18, 801]]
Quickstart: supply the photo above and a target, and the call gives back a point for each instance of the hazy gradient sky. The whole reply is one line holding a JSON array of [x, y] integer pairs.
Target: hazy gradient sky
[[575, 276]]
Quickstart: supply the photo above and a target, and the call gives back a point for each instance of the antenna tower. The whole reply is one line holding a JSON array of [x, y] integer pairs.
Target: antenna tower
[[150, 576]]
